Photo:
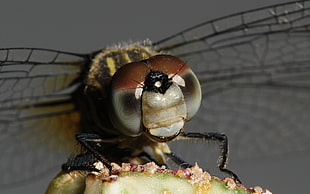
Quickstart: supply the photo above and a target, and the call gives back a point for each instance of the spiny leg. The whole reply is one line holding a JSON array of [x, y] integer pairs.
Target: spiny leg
[[218, 137], [178, 160], [85, 139], [83, 162]]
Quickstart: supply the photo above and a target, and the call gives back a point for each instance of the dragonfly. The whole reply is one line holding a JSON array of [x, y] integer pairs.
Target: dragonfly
[[253, 68]]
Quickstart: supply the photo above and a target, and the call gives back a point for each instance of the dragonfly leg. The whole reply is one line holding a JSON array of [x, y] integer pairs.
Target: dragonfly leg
[[178, 160], [83, 162], [218, 137], [85, 139]]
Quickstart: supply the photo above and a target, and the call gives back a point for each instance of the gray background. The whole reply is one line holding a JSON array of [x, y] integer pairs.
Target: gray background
[[83, 26]]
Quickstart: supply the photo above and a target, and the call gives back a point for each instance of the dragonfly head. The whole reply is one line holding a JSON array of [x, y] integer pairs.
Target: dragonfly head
[[155, 96]]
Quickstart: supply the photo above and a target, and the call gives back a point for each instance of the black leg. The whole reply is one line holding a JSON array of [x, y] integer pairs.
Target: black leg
[[81, 162], [218, 137], [178, 160], [86, 139]]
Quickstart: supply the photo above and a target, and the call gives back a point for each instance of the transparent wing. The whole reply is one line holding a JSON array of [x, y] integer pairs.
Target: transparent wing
[[37, 118], [254, 68]]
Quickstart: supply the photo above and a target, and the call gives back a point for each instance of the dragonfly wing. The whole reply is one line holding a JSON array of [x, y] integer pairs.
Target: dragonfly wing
[[254, 69], [37, 117]]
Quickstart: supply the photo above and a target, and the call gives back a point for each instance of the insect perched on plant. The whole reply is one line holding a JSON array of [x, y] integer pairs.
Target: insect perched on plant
[[124, 103]]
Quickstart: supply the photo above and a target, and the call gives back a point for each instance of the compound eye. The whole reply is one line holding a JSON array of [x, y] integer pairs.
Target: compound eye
[[125, 96]]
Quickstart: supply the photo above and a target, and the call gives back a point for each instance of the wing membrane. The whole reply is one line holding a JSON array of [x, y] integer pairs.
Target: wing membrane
[[27, 74], [254, 68], [37, 116]]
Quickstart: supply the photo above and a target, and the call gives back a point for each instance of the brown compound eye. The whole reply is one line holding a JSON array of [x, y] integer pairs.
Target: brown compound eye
[[157, 95]]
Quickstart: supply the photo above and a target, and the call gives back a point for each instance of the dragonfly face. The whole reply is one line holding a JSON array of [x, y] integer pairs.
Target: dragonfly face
[[159, 92], [254, 75]]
